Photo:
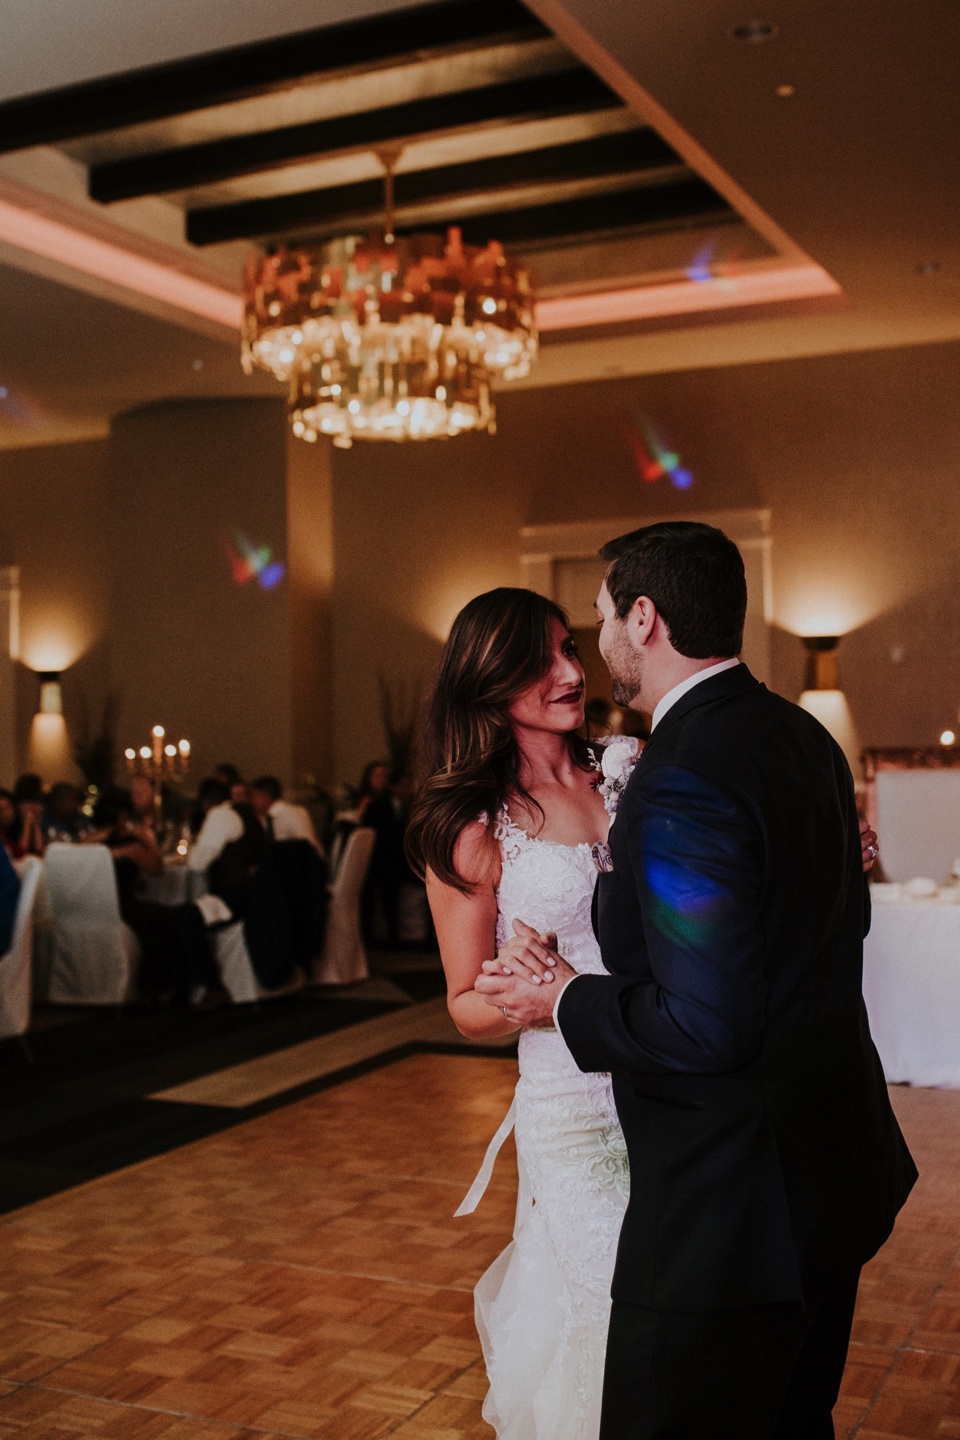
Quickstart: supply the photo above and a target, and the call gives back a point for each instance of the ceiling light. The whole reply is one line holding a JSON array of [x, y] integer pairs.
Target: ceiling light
[[754, 32], [383, 339], [785, 91]]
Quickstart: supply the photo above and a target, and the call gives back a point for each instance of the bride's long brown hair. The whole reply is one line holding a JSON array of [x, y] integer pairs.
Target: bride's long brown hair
[[468, 761]]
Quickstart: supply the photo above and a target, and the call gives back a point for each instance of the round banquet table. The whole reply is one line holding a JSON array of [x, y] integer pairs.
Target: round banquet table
[[178, 884], [911, 986]]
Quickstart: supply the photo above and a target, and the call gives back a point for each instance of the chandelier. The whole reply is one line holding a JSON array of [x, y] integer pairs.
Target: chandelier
[[388, 338]]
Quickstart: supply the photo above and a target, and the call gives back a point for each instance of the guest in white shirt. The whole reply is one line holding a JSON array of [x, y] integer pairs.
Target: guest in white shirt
[[221, 825], [228, 850], [281, 819]]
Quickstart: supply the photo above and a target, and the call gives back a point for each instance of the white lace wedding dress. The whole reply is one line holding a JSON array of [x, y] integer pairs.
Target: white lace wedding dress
[[542, 1307]]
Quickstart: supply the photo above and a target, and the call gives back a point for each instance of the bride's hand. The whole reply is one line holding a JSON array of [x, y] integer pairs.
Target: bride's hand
[[869, 847], [529, 955]]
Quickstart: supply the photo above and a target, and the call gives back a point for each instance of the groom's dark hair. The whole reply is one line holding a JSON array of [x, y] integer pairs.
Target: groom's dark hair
[[693, 574]]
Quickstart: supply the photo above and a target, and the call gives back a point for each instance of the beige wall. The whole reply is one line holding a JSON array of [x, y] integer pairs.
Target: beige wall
[[126, 582], [857, 456], [191, 650], [310, 592], [54, 525]]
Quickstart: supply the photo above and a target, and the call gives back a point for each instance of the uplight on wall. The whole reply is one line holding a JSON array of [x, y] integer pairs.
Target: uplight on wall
[[51, 694], [48, 748], [823, 698]]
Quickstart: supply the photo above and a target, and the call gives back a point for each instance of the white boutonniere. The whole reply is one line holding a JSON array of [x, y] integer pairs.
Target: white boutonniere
[[616, 764]]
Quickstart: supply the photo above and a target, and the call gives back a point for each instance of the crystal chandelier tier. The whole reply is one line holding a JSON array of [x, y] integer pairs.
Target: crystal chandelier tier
[[389, 338]]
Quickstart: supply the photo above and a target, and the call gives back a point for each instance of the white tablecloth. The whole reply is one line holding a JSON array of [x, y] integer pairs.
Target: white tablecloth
[[911, 985], [178, 885]]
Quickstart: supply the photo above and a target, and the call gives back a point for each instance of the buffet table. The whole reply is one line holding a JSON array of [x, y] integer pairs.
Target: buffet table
[[911, 985]]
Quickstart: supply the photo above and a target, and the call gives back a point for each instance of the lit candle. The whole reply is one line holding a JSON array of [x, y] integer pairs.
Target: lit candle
[[131, 758], [158, 733], [144, 752]]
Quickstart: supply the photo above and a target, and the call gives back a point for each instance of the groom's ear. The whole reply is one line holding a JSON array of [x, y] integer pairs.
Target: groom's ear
[[641, 621]]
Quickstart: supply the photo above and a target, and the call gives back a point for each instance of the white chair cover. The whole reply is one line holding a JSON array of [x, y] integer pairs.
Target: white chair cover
[[233, 958], [93, 954], [16, 965], [344, 960], [235, 965]]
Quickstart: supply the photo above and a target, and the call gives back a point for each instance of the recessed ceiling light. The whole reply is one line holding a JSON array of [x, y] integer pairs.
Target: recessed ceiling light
[[198, 365], [928, 267], [754, 32], [785, 91]]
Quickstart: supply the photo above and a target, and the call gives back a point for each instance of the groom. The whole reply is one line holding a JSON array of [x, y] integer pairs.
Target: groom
[[766, 1163]]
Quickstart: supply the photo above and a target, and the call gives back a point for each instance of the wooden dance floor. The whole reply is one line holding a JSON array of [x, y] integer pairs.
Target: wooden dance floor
[[301, 1275]]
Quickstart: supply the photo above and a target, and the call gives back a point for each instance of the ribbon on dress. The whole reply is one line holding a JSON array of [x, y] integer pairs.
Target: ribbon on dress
[[479, 1187]]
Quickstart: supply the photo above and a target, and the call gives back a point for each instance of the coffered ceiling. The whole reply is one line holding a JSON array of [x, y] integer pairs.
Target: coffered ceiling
[[688, 192]]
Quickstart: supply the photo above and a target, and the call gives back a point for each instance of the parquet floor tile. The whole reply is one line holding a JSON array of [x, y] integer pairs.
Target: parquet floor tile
[[301, 1277]]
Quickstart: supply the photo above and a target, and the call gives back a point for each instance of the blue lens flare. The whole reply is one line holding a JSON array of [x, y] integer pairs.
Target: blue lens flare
[[687, 909]]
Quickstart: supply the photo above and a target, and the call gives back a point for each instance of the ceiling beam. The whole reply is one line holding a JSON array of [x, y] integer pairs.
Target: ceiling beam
[[160, 91], [625, 155], [644, 208], [538, 97]]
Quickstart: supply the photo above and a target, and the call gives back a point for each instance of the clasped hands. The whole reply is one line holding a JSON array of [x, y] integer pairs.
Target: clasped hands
[[526, 977]]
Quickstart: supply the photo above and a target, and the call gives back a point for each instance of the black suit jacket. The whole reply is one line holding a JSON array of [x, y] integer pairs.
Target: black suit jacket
[[765, 1158]]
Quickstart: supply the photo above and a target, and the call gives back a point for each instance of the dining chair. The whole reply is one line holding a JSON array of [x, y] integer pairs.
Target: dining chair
[[92, 955], [344, 959]]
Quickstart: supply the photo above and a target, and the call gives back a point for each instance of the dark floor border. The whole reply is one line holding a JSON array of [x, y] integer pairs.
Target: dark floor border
[[160, 1127]]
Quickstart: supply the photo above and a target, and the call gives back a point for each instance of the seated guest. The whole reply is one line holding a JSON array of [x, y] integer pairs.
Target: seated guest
[[230, 776], [9, 895], [386, 813], [281, 819], [20, 826], [228, 849], [374, 785], [135, 854], [63, 819], [144, 810]]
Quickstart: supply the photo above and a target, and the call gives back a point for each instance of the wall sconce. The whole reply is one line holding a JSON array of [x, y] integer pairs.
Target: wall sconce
[[51, 694], [821, 672], [48, 748], [823, 698]]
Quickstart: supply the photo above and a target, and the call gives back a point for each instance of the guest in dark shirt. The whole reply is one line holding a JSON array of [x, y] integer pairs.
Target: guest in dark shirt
[[63, 818], [9, 895], [386, 813], [135, 855], [230, 776], [20, 826]]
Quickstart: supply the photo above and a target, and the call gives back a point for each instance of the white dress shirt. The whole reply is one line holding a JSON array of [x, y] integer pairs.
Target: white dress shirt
[[220, 825], [666, 703], [292, 822]]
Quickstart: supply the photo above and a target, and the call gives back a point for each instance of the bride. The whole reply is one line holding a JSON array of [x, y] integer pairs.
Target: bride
[[506, 826]]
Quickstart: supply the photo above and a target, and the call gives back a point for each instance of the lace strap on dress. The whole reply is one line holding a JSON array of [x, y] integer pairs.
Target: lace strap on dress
[[509, 835]]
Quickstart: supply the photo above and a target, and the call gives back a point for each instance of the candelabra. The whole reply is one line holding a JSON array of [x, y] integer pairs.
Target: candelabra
[[158, 762]]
